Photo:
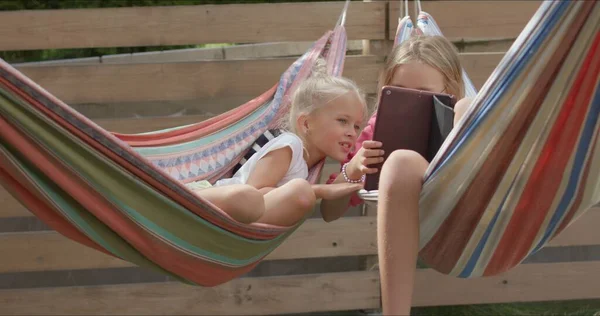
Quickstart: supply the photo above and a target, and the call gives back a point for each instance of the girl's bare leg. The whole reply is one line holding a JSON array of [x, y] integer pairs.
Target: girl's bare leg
[[398, 228], [289, 203], [242, 202], [460, 108]]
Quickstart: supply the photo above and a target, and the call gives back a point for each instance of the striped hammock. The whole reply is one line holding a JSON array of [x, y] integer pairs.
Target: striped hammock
[[524, 162], [124, 195], [517, 169]]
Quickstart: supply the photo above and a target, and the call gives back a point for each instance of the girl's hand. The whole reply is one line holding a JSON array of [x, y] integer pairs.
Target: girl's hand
[[369, 154], [336, 190]]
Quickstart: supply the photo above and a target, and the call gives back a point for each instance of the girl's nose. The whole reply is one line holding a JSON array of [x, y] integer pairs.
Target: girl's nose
[[351, 132]]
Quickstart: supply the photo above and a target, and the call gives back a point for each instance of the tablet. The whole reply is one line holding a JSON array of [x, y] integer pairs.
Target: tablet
[[411, 119]]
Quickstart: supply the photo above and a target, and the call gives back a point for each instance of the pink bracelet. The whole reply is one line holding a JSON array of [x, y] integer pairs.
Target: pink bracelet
[[362, 178]]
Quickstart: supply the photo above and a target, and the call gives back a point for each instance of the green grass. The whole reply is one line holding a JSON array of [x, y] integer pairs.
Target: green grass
[[567, 308], [563, 308]]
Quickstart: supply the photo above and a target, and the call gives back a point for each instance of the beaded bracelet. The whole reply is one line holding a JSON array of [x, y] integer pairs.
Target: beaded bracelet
[[362, 178]]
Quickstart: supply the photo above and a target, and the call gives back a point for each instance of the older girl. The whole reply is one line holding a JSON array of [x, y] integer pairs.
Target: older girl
[[427, 63]]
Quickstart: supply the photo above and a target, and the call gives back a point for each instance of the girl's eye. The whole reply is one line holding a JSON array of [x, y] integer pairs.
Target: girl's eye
[[343, 121], [356, 127]]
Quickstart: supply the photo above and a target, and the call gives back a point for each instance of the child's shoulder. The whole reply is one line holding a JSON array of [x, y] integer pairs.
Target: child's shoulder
[[288, 137], [285, 139]]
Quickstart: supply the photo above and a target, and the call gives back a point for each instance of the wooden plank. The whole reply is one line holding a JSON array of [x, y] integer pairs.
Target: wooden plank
[[268, 50], [10, 206], [479, 66], [581, 232], [46, 251], [306, 293], [355, 236], [197, 80], [501, 45], [249, 51], [474, 19], [179, 81], [524, 283], [142, 125], [208, 107], [248, 296], [183, 25]]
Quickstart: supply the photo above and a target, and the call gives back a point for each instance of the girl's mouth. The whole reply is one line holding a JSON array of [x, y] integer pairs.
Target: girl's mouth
[[346, 146]]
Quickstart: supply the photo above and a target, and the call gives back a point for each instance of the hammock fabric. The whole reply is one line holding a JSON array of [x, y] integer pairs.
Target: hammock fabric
[[524, 162], [124, 195]]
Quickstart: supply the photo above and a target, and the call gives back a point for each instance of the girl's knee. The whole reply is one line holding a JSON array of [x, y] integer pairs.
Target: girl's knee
[[460, 108], [250, 203], [404, 161], [401, 168], [303, 193]]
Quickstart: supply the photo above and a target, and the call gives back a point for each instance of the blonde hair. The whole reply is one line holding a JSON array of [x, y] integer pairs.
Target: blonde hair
[[317, 91], [435, 51]]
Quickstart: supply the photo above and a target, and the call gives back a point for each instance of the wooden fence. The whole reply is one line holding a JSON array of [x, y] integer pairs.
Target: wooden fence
[[320, 267]]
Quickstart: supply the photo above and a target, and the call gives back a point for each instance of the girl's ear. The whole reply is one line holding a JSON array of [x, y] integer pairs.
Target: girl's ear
[[302, 123]]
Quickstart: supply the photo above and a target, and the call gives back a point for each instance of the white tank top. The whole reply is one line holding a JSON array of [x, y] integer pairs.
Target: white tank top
[[297, 170]]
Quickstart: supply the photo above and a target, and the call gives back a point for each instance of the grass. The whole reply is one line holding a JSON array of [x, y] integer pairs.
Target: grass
[[567, 308], [563, 308]]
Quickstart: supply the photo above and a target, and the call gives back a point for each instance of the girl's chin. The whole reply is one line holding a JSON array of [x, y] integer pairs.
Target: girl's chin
[[340, 157]]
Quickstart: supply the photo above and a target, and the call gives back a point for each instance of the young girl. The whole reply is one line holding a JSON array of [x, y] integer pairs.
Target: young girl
[[325, 118], [428, 63]]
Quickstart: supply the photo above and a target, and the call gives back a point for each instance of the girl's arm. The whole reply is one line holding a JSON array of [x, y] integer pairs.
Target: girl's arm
[[334, 209], [270, 169]]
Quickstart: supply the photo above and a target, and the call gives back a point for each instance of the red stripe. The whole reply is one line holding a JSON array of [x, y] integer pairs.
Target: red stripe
[[544, 182], [164, 255], [207, 211], [200, 129], [40, 208], [577, 204], [447, 245]]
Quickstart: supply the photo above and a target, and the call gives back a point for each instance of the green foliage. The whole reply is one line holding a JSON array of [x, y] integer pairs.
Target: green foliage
[[6, 5]]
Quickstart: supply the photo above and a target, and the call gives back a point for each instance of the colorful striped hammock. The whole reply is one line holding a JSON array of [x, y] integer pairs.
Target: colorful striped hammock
[[524, 163], [124, 195]]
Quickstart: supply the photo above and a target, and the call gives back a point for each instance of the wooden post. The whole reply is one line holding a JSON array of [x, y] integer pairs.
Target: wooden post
[[378, 47]]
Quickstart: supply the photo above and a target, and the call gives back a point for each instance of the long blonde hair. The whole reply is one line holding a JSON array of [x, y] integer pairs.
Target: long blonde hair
[[435, 51]]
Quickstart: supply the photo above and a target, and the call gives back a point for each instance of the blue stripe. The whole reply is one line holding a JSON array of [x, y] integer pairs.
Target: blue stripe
[[524, 57], [471, 264], [574, 181], [576, 173]]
